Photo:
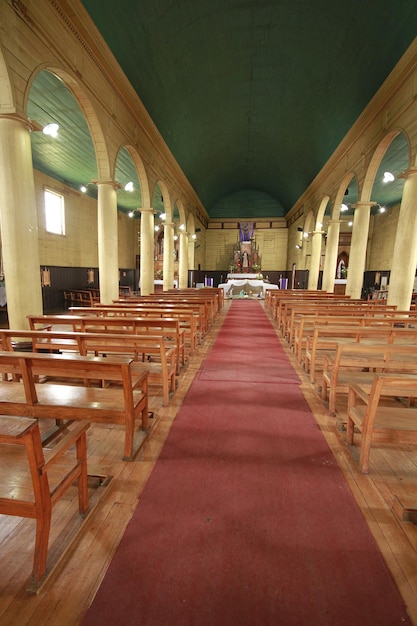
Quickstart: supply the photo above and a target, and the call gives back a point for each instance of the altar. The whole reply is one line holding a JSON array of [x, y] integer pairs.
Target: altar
[[245, 287]]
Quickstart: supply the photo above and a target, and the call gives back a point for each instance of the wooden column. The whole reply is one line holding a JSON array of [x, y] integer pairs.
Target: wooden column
[[404, 259], [147, 224], [183, 263], [313, 276], [191, 253], [19, 226], [168, 262], [108, 245], [330, 260], [358, 247]]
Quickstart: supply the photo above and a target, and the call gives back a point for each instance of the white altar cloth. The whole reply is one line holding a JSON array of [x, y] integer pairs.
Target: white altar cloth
[[251, 287], [241, 276]]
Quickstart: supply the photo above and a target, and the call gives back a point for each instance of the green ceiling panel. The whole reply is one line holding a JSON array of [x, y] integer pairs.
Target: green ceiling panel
[[251, 96], [255, 94]]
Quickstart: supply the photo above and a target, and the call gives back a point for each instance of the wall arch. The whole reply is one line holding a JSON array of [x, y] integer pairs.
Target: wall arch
[[89, 112], [376, 160], [340, 194], [166, 199], [141, 174]]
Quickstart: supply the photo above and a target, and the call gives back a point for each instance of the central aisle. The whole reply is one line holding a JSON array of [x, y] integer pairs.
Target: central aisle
[[246, 518]]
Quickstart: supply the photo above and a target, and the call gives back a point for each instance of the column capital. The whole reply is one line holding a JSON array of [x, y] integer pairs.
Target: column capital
[[408, 172], [111, 183], [31, 125], [147, 209], [363, 204]]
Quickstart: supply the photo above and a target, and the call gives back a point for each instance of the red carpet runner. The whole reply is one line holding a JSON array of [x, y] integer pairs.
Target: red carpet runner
[[246, 519]]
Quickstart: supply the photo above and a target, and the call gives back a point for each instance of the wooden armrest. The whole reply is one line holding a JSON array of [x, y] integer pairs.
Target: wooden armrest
[[68, 440], [140, 380], [359, 392]]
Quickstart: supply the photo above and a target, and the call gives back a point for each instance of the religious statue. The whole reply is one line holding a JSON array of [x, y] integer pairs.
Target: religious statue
[[245, 260]]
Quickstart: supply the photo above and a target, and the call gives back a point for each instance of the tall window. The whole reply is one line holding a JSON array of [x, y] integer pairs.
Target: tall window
[[54, 212]]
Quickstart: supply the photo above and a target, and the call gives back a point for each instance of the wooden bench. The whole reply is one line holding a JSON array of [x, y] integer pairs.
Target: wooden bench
[[376, 420], [305, 325], [287, 310], [325, 339], [81, 297], [71, 399], [150, 353], [199, 309], [158, 360], [284, 306], [169, 328], [191, 320], [358, 363], [32, 479], [276, 298], [317, 313]]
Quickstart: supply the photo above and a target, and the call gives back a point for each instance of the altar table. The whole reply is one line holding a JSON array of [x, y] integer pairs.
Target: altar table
[[252, 287]]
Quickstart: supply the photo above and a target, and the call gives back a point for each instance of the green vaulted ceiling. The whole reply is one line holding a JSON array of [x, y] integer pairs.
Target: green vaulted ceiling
[[253, 96]]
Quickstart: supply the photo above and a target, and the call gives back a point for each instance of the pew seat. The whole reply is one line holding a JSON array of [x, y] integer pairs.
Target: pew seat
[[33, 479]]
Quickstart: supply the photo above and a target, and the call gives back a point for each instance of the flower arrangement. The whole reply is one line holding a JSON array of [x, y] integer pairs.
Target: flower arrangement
[[256, 267], [158, 275]]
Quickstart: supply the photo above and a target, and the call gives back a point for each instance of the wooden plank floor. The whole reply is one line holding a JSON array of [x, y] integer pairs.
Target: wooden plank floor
[[71, 587]]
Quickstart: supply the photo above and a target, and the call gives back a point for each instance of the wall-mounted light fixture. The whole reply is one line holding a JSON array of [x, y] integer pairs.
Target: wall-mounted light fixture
[[161, 217], [388, 177], [51, 129]]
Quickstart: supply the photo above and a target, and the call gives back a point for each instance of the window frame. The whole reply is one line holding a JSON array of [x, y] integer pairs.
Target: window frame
[[54, 225]]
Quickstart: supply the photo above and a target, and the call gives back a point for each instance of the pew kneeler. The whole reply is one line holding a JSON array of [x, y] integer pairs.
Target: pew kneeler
[[33, 479]]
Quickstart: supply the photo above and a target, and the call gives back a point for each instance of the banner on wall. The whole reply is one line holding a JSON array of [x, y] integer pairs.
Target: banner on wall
[[246, 230]]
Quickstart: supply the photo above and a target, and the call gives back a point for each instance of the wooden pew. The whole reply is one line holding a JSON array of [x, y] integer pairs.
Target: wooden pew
[[277, 295], [357, 363], [32, 479], [150, 353], [304, 325], [191, 319], [294, 314], [167, 329], [279, 313], [287, 309], [199, 308], [325, 339], [376, 420], [158, 360], [69, 400], [215, 294]]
